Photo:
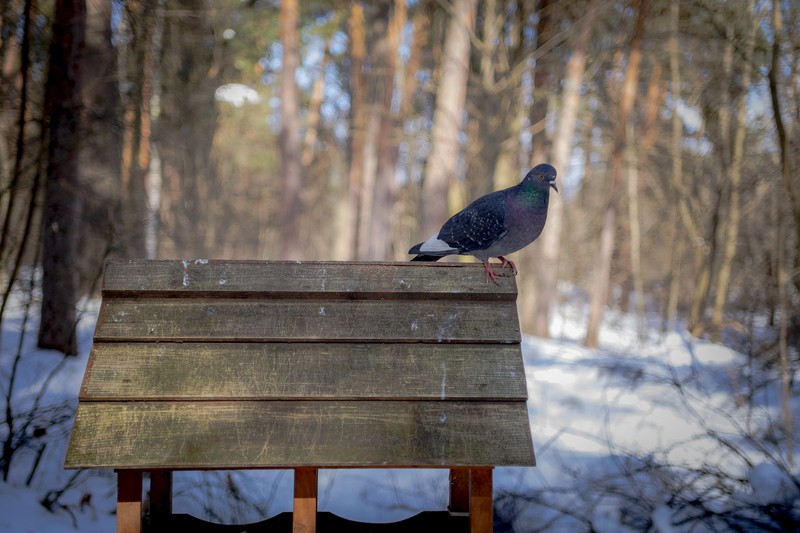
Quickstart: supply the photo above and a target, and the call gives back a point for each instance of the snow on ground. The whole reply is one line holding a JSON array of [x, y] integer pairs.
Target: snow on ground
[[620, 434]]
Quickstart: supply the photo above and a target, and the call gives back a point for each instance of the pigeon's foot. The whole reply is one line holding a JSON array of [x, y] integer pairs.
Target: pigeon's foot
[[504, 262], [490, 274]]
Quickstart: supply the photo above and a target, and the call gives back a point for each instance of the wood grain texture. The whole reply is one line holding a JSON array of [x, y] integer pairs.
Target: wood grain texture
[[281, 434], [304, 512], [459, 492], [182, 319], [129, 501], [255, 371], [481, 504], [308, 278]]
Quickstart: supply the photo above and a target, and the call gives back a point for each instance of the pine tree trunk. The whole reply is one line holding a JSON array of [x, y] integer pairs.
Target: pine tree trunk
[[349, 209], [62, 209], [450, 99], [602, 275], [154, 177], [731, 231], [547, 274], [291, 204]]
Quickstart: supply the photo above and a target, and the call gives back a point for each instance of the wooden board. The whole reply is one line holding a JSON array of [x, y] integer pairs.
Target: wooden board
[[281, 434], [256, 371], [187, 319], [310, 279]]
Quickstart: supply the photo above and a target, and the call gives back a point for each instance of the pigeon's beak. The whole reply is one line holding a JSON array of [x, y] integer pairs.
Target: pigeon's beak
[[553, 185]]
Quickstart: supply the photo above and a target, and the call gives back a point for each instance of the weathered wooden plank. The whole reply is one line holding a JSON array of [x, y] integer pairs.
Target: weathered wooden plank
[[311, 278], [141, 371], [182, 319], [252, 434]]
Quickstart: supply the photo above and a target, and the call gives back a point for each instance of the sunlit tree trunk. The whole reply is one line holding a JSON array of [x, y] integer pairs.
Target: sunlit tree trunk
[[291, 204], [671, 311], [602, 273], [450, 98], [62, 205], [348, 210], [385, 191], [154, 176], [547, 275]]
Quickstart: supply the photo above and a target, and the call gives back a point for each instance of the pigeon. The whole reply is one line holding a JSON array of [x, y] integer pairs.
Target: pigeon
[[495, 225]]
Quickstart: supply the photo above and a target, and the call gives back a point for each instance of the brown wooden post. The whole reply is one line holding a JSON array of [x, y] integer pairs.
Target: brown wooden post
[[459, 492], [129, 501], [481, 510], [160, 499], [304, 518]]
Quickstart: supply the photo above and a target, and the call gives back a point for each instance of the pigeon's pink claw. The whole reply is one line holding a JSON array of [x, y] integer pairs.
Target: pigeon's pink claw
[[491, 274], [505, 262]]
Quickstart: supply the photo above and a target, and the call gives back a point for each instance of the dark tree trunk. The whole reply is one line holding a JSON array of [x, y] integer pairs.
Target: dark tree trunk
[[61, 214]]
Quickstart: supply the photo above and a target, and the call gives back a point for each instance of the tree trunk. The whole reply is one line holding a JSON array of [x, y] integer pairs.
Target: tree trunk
[[385, 191], [349, 209], [671, 311], [133, 35], [154, 177], [783, 275], [731, 231], [635, 233], [450, 99], [547, 275], [291, 203], [61, 214], [602, 274]]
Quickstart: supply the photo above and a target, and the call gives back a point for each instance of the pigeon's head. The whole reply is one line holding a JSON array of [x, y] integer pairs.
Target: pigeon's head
[[543, 176]]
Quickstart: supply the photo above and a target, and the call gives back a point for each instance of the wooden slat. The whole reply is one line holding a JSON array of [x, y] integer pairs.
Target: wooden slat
[[312, 278], [250, 434], [141, 371], [182, 319]]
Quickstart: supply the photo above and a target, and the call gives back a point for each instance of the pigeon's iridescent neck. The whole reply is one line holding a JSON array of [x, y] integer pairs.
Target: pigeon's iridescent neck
[[533, 195]]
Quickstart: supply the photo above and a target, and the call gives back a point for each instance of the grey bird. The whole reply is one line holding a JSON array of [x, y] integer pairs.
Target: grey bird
[[495, 225]]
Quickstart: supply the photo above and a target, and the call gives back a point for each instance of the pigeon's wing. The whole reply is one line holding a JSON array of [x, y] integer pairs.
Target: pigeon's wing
[[481, 224]]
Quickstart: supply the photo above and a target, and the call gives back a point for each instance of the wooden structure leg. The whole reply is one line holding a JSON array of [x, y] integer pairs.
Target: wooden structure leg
[[160, 499], [304, 518], [129, 501], [459, 492], [481, 510]]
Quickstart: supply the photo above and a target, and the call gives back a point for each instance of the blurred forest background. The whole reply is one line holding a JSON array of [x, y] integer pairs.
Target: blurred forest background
[[351, 130]]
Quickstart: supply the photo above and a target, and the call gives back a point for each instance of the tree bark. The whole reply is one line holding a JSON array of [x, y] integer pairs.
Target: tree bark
[[385, 191], [291, 204], [602, 274], [154, 177], [731, 231], [450, 99], [61, 214], [349, 209], [547, 274]]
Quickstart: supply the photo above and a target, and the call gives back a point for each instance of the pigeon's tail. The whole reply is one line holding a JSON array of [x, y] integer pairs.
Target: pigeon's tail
[[423, 257]]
